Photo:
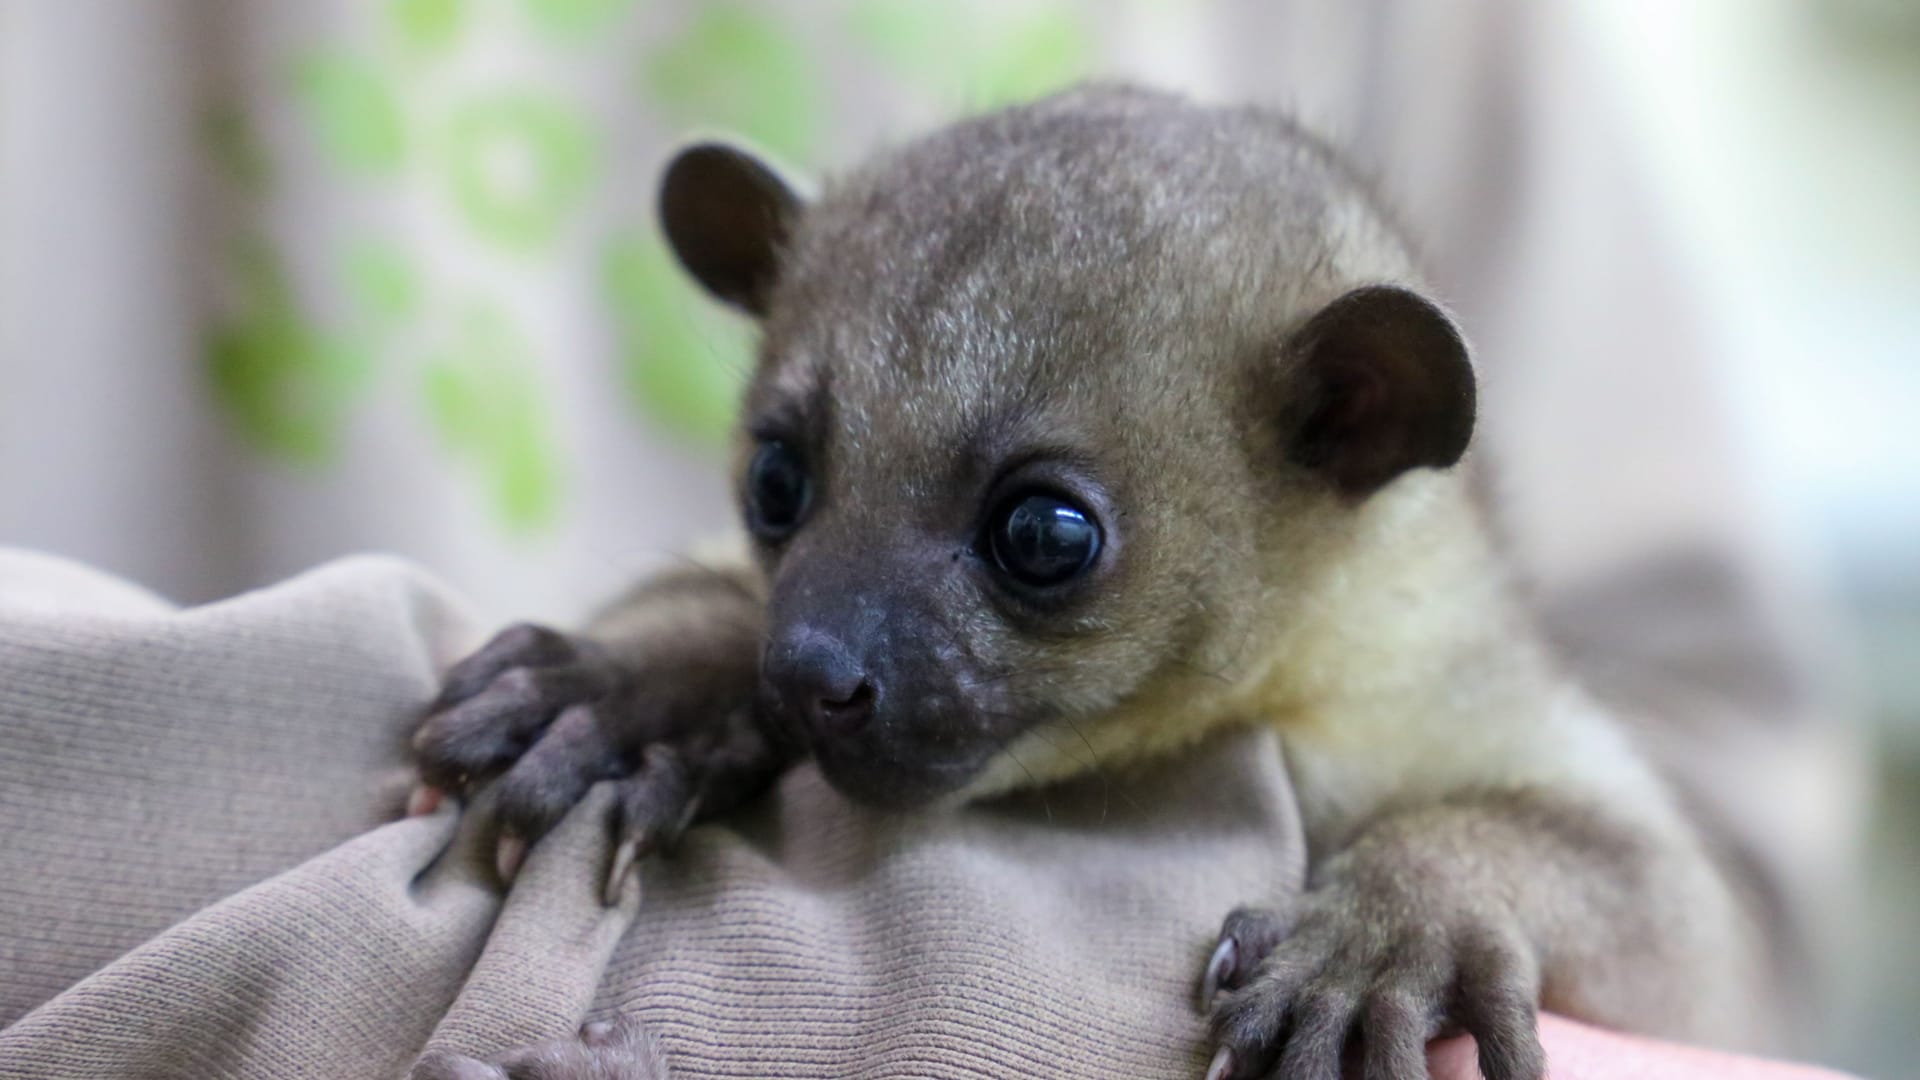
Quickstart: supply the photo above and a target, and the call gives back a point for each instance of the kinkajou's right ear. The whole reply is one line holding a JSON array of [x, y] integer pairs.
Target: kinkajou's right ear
[[728, 216]]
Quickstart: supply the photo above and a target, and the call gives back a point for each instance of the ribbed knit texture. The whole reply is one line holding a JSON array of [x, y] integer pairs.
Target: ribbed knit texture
[[200, 876]]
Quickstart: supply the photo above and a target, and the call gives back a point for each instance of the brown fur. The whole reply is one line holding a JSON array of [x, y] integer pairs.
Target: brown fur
[[1196, 327]]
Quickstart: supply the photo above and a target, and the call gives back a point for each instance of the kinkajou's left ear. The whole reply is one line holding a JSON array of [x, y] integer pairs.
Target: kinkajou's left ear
[[728, 217], [1380, 382]]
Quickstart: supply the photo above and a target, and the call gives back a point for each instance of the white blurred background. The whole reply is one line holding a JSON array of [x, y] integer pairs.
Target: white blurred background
[[283, 281]]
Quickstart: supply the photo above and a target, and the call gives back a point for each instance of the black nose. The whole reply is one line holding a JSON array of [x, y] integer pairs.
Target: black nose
[[820, 682]]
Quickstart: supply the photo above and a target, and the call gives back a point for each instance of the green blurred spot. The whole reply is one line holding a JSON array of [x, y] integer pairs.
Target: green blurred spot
[[1043, 53], [683, 360], [235, 150], [735, 68], [485, 398], [427, 25], [382, 282], [573, 18], [354, 110], [977, 58], [910, 35], [286, 385], [518, 164]]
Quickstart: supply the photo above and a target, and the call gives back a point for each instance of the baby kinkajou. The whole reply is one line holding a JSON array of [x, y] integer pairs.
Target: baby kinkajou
[[1119, 417]]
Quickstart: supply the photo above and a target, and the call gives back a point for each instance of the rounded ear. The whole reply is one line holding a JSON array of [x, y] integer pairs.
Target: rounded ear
[[1383, 384], [727, 216]]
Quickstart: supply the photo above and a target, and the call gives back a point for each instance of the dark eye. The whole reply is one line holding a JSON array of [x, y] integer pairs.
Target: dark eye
[[777, 490], [1041, 540]]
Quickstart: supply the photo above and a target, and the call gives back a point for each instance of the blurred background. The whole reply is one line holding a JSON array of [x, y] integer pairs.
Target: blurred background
[[285, 281]]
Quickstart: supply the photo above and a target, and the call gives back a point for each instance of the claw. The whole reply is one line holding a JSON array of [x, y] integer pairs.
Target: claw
[[513, 852], [597, 1033], [1222, 1065], [624, 857], [425, 799], [1219, 966]]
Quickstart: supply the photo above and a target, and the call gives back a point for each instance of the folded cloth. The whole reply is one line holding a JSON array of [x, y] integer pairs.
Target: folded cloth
[[202, 877]]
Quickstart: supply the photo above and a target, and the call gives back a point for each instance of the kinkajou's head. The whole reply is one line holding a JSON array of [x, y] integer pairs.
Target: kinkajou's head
[[1050, 409]]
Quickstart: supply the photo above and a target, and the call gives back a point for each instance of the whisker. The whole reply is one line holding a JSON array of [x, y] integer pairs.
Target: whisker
[[1093, 758], [1006, 747], [1092, 762]]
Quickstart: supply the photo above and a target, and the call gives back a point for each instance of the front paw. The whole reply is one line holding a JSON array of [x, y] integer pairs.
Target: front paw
[[498, 703], [617, 1049], [545, 716], [1352, 980]]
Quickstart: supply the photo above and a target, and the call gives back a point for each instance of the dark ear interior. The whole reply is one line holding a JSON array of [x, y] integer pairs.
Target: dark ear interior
[[727, 216], [1384, 385]]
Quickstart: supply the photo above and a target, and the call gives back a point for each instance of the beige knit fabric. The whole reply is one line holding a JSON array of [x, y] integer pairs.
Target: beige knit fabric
[[200, 876]]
